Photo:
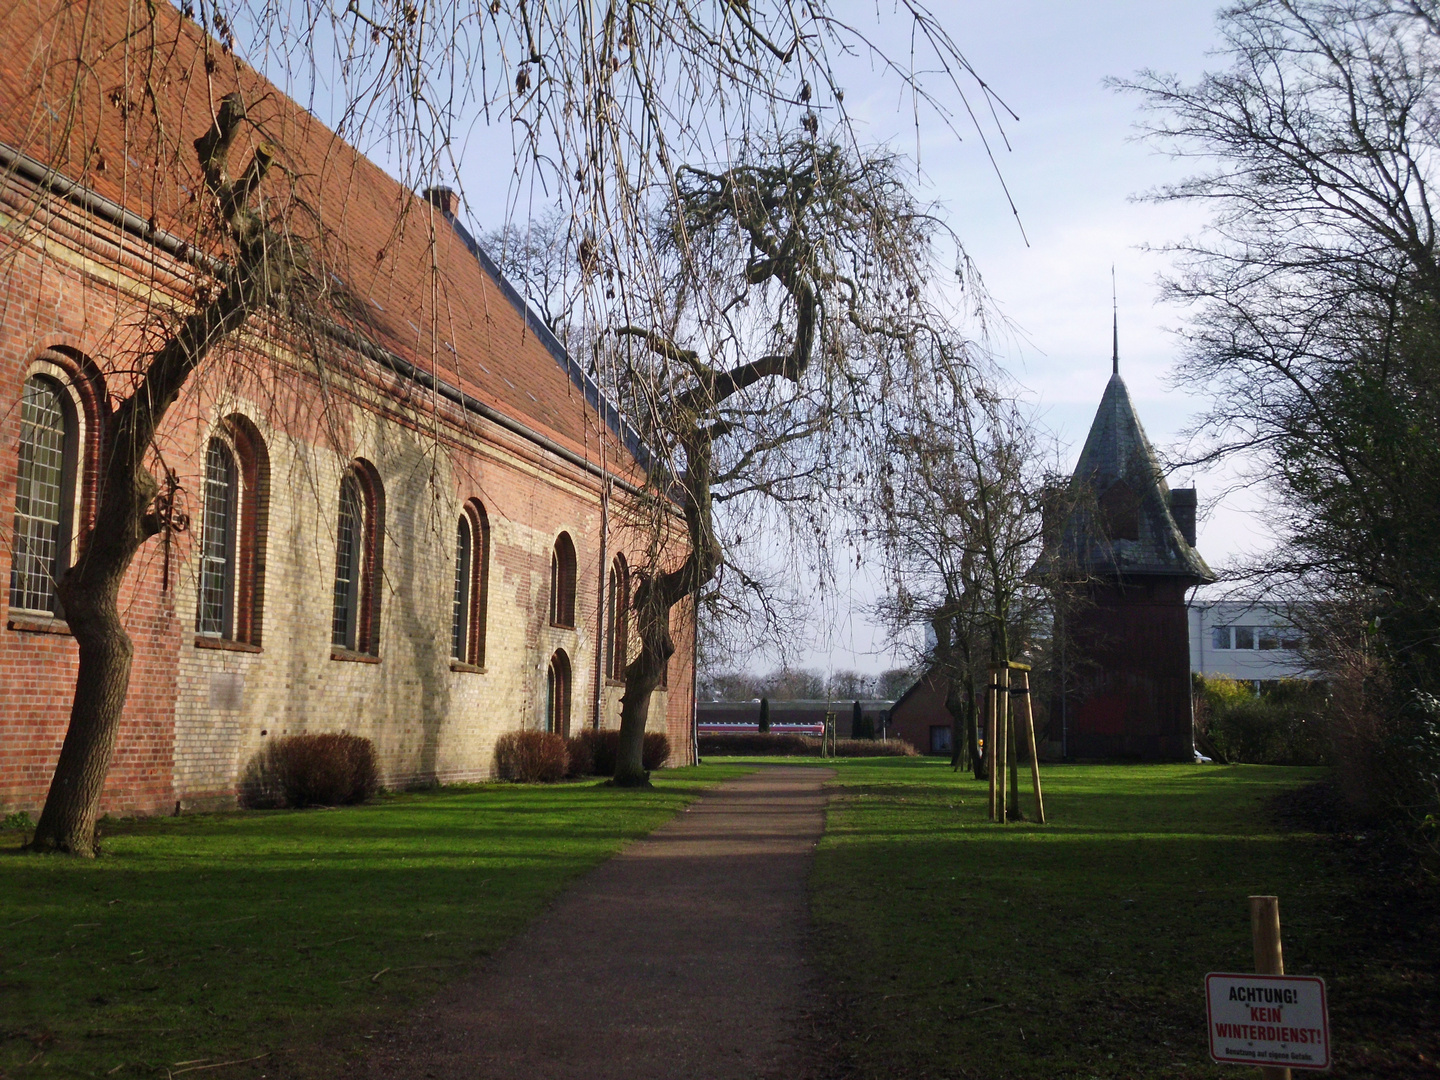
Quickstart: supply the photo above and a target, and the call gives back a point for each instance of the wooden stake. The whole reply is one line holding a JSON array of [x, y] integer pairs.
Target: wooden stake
[[1269, 959], [1024, 677]]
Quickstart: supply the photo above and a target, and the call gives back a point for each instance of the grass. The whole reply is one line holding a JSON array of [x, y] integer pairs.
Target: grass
[[288, 934], [957, 948]]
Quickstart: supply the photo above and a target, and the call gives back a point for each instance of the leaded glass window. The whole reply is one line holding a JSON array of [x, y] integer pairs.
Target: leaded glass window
[[349, 549], [216, 615], [40, 496], [460, 617]]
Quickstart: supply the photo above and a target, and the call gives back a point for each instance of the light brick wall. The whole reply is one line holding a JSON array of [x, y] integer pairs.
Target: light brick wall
[[179, 742]]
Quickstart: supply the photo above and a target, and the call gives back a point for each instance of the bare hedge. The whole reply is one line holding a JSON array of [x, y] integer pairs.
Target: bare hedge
[[331, 769], [531, 757], [771, 744], [602, 748]]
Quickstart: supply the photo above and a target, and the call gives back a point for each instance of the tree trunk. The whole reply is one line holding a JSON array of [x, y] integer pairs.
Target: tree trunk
[[959, 719], [126, 514], [655, 597], [979, 762], [642, 676], [68, 821]]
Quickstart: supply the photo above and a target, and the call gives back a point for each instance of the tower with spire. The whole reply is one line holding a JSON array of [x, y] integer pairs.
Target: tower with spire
[[1125, 546]]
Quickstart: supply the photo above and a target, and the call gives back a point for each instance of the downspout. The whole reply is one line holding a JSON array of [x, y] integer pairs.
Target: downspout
[[695, 678], [600, 621]]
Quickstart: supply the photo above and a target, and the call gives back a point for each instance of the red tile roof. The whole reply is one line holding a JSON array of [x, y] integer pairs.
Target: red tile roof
[[124, 127]]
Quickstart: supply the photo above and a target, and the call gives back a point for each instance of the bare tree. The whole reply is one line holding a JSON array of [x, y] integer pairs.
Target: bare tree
[[798, 287], [1316, 289], [261, 274], [959, 512], [604, 102]]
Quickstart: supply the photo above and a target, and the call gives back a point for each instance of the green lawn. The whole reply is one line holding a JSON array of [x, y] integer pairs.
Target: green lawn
[[215, 938], [957, 948]]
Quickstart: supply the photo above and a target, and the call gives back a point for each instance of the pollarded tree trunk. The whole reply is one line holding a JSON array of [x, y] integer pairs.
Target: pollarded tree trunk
[[642, 676], [126, 515], [68, 821], [655, 597]]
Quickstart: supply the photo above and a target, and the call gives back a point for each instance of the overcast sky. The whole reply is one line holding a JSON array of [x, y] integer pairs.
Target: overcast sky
[[1073, 169]]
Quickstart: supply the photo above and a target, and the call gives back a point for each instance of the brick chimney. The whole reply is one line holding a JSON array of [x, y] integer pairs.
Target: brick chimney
[[1182, 509], [444, 199]]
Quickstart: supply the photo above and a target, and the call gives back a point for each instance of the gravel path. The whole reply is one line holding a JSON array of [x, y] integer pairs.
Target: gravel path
[[682, 957]]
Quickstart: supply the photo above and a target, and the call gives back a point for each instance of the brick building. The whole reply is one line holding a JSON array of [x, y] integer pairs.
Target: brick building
[[410, 522], [1129, 542]]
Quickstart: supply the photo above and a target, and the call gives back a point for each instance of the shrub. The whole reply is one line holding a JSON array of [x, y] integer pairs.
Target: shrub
[[655, 752], [753, 744], [873, 748], [603, 748], [581, 751], [1281, 725], [331, 769], [531, 757], [750, 744]]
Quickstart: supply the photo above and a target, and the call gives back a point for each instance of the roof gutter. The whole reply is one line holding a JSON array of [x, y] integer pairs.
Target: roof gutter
[[21, 164]]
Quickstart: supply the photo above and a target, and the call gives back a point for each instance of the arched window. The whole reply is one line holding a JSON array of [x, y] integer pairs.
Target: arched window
[[44, 494], [617, 638], [359, 540], [215, 616], [235, 502], [562, 582], [557, 694], [472, 579]]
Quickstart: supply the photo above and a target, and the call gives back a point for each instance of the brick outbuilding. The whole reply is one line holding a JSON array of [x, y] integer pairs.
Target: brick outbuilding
[[1128, 545]]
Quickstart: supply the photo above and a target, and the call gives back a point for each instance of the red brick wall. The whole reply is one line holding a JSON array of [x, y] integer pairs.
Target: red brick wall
[[1132, 689]]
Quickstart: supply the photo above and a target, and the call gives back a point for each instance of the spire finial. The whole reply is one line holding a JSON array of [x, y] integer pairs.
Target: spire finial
[[1115, 305]]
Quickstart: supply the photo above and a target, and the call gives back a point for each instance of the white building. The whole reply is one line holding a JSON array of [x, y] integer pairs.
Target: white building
[[1240, 640]]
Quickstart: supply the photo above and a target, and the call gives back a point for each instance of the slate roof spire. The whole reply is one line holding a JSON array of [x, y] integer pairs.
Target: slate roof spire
[[1123, 521], [1115, 312]]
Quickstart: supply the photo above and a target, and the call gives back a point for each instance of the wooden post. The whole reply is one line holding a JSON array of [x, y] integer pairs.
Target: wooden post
[[1269, 960], [1024, 691], [990, 695]]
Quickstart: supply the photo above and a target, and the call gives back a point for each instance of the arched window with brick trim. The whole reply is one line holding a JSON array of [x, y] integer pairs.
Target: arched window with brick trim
[[557, 694], [562, 582], [219, 527], [359, 560], [235, 503], [472, 581], [617, 631], [45, 487]]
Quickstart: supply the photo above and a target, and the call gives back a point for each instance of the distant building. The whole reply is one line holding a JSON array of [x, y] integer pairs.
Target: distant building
[[1240, 640], [1129, 543], [919, 715], [802, 717]]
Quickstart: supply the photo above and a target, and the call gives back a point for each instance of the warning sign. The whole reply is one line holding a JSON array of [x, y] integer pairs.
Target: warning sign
[[1275, 1020]]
